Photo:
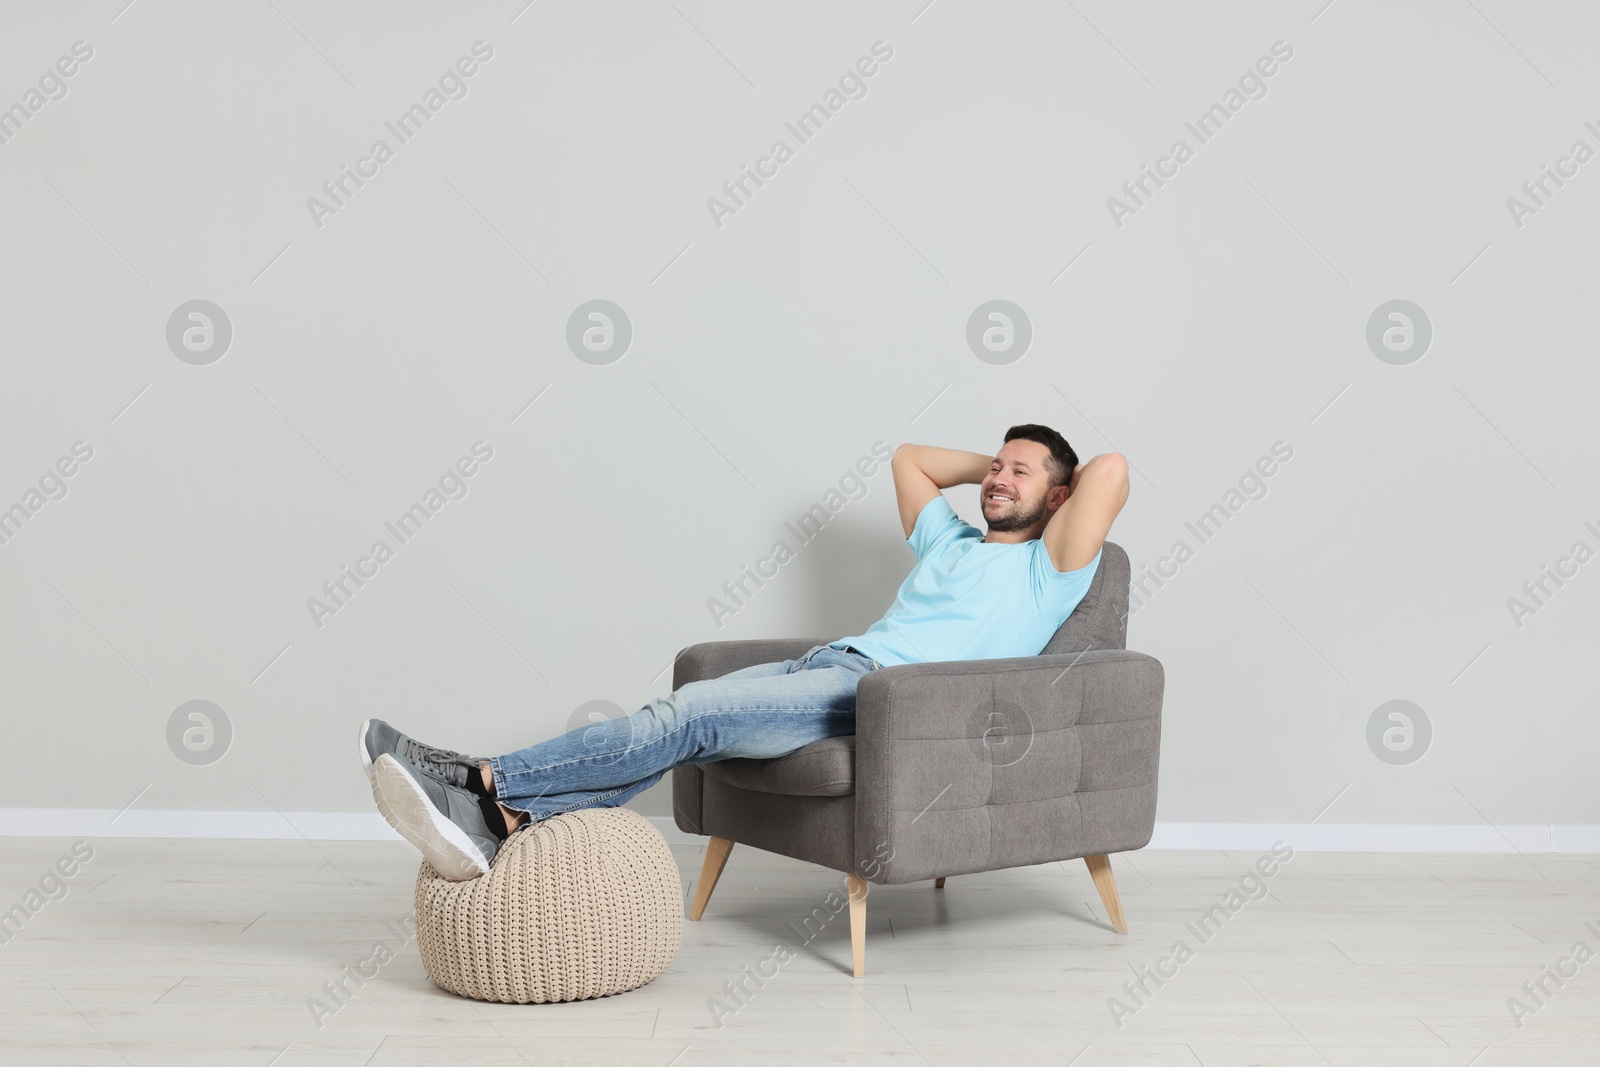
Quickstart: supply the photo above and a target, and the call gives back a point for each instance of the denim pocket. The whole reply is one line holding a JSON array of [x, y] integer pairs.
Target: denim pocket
[[800, 664]]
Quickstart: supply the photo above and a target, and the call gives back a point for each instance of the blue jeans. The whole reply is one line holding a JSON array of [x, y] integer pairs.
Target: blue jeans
[[759, 712]]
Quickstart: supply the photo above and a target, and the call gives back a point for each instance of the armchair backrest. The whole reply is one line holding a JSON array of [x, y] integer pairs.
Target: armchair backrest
[[1101, 617]]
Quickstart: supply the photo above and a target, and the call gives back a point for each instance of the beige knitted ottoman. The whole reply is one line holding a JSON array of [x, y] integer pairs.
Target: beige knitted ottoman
[[581, 905]]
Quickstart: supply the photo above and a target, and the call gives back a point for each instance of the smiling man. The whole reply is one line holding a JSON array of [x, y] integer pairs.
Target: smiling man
[[969, 596]]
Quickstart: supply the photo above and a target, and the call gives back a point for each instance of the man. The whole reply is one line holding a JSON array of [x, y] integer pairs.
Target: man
[[968, 597]]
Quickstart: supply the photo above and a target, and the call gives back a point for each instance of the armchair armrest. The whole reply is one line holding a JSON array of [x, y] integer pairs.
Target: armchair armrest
[[713, 659], [980, 765]]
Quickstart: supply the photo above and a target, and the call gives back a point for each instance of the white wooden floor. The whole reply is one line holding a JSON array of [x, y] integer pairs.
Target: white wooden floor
[[170, 953]]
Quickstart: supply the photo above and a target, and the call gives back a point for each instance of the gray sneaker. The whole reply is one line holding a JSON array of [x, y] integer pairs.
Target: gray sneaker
[[442, 820], [378, 737]]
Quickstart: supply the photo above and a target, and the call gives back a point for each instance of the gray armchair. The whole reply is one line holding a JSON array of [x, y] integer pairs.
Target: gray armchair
[[955, 767]]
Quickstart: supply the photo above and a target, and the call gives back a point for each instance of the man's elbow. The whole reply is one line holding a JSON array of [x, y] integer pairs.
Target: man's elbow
[[1108, 473]]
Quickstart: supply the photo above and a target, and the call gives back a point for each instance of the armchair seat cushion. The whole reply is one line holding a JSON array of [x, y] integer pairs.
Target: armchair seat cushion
[[825, 768]]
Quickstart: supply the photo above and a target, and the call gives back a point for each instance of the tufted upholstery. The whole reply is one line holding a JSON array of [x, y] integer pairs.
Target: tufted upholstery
[[1005, 763], [959, 766], [1101, 618]]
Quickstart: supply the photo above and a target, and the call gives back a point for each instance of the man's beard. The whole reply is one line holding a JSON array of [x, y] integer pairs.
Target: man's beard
[[1015, 517]]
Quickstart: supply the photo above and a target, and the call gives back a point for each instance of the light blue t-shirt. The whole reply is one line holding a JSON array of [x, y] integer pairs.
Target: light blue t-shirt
[[968, 599]]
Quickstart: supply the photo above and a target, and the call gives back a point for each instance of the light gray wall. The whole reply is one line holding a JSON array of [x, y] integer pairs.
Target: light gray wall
[[770, 352]]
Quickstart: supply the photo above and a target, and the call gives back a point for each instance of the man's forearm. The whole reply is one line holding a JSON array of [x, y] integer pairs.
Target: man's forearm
[[945, 466]]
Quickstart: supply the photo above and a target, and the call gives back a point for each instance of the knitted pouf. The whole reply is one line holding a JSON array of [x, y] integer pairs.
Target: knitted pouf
[[582, 905]]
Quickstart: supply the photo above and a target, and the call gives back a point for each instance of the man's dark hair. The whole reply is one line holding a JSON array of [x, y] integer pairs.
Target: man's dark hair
[[1063, 460]]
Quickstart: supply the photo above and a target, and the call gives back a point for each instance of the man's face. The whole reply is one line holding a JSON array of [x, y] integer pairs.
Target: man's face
[[1014, 494]]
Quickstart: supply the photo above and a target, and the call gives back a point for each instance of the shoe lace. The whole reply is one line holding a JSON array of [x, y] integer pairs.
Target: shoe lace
[[420, 754]]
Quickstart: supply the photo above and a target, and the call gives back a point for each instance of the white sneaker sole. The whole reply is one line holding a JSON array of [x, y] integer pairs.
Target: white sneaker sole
[[361, 743], [407, 808]]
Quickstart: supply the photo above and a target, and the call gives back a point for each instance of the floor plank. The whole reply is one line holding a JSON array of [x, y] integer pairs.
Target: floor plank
[[208, 952]]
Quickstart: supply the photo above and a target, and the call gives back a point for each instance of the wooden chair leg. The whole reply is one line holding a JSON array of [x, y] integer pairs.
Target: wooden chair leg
[[858, 924], [938, 883], [717, 850], [1100, 870]]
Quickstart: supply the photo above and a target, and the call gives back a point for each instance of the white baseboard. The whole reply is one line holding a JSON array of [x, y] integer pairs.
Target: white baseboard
[[233, 825], [1377, 837], [96, 822], [1244, 837]]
